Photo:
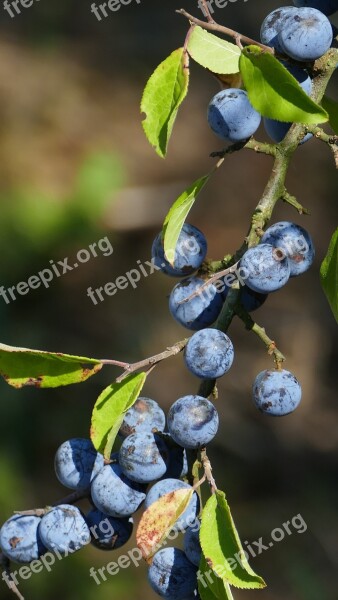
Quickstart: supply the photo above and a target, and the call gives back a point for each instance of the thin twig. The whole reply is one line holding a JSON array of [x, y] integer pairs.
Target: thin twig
[[320, 134], [329, 140], [150, 362], [215, 277], [34, 512], [206, 11], [251, 325], [251, 144], [7, 576], [70, 499], [186, 57], [286, 197], [212, 26], [208, 471], [116, 363], [74, 497]]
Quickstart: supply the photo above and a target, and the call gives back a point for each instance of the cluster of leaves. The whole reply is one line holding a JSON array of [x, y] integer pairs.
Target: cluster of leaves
[[223, 562], [219, 538], [273, 92]]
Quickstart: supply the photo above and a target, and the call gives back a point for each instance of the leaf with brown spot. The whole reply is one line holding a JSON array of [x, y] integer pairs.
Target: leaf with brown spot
[[158, 520], [25, 367]]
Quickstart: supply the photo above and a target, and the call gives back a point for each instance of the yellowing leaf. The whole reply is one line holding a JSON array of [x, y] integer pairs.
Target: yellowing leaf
[[110, 408], [41, 369], [213, 53], [162, 96], [158, 520]]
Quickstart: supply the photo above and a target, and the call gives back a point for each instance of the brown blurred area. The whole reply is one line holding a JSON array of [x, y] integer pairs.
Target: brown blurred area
[[75, 167]]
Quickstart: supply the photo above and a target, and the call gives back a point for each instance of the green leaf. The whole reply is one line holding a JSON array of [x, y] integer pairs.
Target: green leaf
[[23, 366], [329, 274], [211, 587], [157, 521], [331, 106], [222, 547], [274, 92], [177, 215], [213, 53], [162, 96], [110, 408]]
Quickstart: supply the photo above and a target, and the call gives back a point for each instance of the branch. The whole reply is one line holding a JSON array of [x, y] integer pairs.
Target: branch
[[251, 325], [152, 361], [251, 144], [212, 26], [272, 193]]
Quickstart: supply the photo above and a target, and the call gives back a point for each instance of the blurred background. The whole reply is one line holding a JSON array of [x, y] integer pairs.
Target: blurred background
[[75, 167]]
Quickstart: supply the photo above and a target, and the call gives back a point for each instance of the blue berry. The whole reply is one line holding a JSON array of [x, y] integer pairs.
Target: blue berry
[[231, 116], [277, 130], [145, 415], [170, 485], [306, 35], [192, 546], [276, 393], [209, 354], [190, 252], [328, 7], [108, 533], [296, 243], [20, 539], [63, 529], [76, 463], [249, 299], [193, 421], [115, 494], [172, 575], [264, 268], [178, 463], [144, 457], [199, 311], [272, 25]]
